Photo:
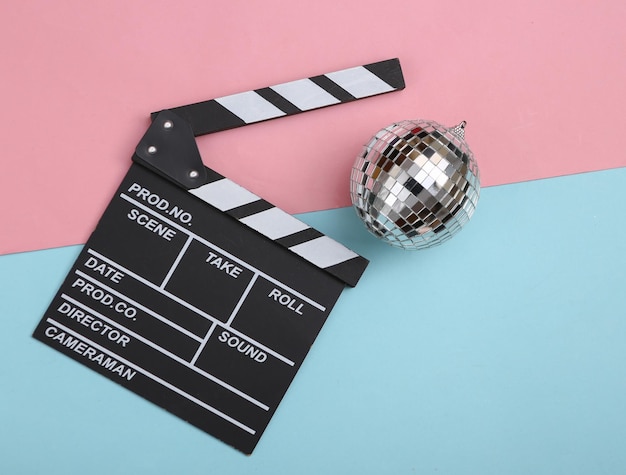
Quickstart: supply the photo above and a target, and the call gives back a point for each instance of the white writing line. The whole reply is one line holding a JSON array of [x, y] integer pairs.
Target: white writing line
[[203, 344], [176, 262], [155, 378], [139, 306], [190, 307], [222, 251], [241, 300], [167, 353]]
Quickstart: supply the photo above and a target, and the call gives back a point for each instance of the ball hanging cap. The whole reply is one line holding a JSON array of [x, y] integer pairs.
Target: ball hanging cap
[[416, 183], [459, 130]]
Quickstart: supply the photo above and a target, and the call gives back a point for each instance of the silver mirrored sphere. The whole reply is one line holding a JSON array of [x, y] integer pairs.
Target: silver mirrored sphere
[[416, 183]]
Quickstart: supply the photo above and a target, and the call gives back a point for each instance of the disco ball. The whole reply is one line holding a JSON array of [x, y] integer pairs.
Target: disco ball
[[416, 183]]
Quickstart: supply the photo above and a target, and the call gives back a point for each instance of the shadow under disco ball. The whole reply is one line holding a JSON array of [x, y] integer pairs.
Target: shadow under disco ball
[[416, 183]]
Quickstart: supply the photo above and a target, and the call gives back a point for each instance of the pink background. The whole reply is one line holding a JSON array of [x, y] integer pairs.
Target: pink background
[[541, 85]]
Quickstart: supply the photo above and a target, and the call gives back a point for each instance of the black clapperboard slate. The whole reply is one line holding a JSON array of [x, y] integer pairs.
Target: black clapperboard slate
[[192, 291]]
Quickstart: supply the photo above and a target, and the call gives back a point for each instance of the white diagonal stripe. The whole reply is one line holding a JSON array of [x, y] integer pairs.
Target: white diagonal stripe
[[305, 94], [250, 107], [360, 82], [274, 223], [323, 252], [224, 194]]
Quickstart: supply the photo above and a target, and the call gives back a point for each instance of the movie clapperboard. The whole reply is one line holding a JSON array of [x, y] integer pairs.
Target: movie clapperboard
[[192, 291]]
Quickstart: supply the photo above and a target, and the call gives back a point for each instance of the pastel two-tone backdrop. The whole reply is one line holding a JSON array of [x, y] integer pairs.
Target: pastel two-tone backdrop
[[501, 351]]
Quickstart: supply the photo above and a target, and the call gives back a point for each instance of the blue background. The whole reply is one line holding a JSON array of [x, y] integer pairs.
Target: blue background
[[501, 351]]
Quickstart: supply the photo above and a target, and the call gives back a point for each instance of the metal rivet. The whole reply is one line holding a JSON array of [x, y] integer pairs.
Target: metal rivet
[[193, 174], [168, 124], [152, 150]]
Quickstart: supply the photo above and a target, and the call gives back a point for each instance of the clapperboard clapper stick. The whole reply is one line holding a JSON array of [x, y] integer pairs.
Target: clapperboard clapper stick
[[192, 291]]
